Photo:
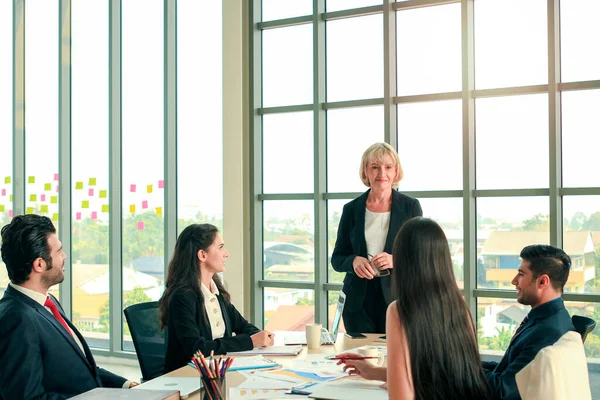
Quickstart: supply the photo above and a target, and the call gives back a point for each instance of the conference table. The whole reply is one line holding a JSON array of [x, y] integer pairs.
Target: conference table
[[234, 379]]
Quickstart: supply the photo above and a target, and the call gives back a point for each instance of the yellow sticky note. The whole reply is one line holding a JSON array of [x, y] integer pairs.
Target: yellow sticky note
[[102, 194], [85, 204], [105, 208], [55, 217], [159, 211], [92, 182], [10, 198], [132, 208], [78, 185], [44, 208], [29, 210], [7, 179], [1, 207], [149, 188], [31, 179], [33, 197], [47, 186], [53, 199]]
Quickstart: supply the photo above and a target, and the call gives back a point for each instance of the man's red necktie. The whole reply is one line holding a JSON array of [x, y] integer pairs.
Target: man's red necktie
[[50, 304]]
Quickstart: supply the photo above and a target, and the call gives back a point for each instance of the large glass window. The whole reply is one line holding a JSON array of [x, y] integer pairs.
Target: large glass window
[[579, 40]]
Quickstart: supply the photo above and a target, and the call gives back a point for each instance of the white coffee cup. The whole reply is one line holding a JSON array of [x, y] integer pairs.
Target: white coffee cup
[[313, 335], [372, 351]]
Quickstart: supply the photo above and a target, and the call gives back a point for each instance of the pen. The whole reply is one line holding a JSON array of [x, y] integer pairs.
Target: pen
[[352, 358]]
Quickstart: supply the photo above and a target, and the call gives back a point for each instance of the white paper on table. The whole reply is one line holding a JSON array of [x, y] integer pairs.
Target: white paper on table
[[264, 383], [258, 374], [382, 349], [255, 394], [270, 351]]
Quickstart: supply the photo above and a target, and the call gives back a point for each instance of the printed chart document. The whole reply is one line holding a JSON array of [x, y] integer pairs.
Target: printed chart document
[[349, 389], [255, 394], [270, 351], [253, 362]]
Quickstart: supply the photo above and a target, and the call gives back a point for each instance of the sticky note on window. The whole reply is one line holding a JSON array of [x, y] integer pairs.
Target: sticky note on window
[[85, 204], [55, 177], [10, 198], [7, 179], [149, 188], [56, 188], [159, 211], [104, 208], [78, 216], [90, 192], [3, 192], [29, 210], [161, 184], [145, 204], [78, 185], [102, 194], [42, 197], [44, 208], [132, 208], [140, 225], [53, 199], [132, 188], [47, 186], [92, 182], [55, 217], [10, 213], [94, 215], [33, 197], [31, 179], [1, 207]]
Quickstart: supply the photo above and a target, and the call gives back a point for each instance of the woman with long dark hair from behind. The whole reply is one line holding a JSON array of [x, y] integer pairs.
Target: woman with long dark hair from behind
[[196, 308], [432, 347]]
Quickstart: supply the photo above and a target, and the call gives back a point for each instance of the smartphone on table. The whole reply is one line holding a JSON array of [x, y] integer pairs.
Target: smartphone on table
[[355, 335]]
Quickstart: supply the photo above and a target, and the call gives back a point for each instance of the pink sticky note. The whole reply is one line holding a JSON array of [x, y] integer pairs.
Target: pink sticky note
[[55, 177], [10, 213], [3, 192], [132, 188], [145, 204], [140, 225], [161, 184], [56, 188], [78, 216], [94, 215], [42, 197], [90, 192]]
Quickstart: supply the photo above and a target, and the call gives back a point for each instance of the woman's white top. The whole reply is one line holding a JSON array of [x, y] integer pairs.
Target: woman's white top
[[376, 230], [213, 310]]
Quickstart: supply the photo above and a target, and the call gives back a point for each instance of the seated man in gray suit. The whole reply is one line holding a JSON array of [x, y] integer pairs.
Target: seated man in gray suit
[[42, 354], [540, 280]]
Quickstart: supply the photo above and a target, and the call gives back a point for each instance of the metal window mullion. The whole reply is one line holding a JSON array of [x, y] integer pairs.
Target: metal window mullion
[[114, 217], [468, 123], [389, 74], [320, 163], [170, 130], [64, 145], [554, 123], [18, 110], [255, 158]]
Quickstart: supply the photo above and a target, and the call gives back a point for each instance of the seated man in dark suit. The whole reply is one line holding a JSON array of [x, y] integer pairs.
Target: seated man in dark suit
[[42, 354], [539, 281]]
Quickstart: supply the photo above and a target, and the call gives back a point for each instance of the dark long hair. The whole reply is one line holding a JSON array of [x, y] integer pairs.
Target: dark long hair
[[184, 268], [441, 339]]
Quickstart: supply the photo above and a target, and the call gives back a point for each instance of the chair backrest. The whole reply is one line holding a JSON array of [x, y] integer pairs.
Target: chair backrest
[[148, 338], [583, 325]]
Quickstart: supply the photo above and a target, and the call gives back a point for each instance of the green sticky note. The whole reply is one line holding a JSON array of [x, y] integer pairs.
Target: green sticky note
[[55, 217], [92, 182], [78, 185], [104, 208], [47, 186], [53, 199], [29, 210], [7, 179], [1, 207], [103, 194], [44, 208], [31, 179], [10, 198], [85, 204], [33, 197]]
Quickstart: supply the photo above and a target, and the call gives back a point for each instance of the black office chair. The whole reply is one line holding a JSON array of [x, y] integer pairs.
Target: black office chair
[[583, 325], [148, 338]]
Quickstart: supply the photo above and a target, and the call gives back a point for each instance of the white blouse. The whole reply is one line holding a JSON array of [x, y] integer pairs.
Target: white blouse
[[376, 230], [213, 310]]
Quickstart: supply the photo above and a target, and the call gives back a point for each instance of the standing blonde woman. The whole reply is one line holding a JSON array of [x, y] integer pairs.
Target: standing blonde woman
[[363, 249]]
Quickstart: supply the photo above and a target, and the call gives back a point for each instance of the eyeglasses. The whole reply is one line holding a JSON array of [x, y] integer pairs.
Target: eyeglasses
[[378, 272]]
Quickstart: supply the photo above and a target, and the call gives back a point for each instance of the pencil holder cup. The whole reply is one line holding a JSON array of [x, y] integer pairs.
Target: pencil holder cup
[[214, 388]]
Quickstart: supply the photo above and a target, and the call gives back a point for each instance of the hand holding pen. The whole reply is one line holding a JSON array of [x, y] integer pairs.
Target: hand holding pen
[[263, 339], [355, 364]]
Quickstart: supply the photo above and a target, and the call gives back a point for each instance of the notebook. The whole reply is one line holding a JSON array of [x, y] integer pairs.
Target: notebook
[[128, 394], [326, 337], [186, 386]]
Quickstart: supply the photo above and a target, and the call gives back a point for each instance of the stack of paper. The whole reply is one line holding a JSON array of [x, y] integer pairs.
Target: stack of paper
[[270, 351], [349, 389]]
